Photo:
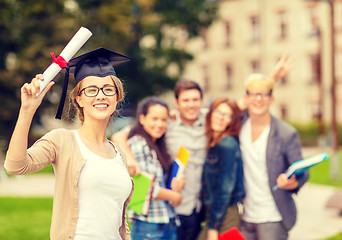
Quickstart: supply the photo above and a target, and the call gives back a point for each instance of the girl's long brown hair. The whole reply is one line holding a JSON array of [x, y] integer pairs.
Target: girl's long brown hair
[[233, 127], [159, 145]]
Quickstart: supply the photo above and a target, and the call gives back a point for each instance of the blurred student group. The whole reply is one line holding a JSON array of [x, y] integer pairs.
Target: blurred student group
[[212, 159]]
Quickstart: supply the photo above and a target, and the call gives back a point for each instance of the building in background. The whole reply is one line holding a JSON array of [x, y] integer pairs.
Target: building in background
[[250, 36]]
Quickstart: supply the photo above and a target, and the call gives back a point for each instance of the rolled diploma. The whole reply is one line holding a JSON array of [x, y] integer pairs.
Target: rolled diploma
[[77, 41]]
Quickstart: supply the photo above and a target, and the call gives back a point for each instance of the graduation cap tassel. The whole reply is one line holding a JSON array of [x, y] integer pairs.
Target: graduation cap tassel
[[63, 96]]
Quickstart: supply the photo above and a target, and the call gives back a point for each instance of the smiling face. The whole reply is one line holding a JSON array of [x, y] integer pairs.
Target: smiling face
[[258, 101], [155, 121], [258, 97], [221, 117], [100, 107], [189, 103]]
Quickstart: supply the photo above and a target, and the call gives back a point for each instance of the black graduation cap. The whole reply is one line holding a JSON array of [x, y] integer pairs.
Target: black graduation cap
[[98, 62]]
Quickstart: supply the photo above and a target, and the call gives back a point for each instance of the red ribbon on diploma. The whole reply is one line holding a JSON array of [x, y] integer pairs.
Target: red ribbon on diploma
[[60, 61]]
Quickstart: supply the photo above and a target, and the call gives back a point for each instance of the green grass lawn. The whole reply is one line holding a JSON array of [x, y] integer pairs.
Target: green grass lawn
[[320, 173], [336, 237], [47, 169], [25, 218], [30, 218]]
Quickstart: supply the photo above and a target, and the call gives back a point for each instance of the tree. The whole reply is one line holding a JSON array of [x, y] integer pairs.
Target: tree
[[136, 20], [160, 22], [31, 29], [27, 29]]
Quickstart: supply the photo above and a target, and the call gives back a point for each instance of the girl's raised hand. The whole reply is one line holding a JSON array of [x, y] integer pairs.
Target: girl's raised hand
[[29, 101]]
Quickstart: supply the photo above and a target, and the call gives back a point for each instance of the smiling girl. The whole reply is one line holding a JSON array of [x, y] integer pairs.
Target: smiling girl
[[222, 179], [147, 141], [92, 187]]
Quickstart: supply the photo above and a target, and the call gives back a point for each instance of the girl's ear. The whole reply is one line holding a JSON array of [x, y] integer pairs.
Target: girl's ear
[[78, 100], [142, 119]]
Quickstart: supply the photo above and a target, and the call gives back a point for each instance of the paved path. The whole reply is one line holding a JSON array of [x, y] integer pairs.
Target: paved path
[[41, 185], [314, 220]]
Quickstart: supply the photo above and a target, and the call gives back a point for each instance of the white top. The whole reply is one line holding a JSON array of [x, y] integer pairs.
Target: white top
[[104, 185], [259, 205]]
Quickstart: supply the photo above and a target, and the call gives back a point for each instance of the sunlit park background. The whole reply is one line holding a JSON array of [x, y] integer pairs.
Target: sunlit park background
[[215, 43]]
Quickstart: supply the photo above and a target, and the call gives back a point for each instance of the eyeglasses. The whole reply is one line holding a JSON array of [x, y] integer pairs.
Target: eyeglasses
[[225, 116], [260, 94], [93, 91]]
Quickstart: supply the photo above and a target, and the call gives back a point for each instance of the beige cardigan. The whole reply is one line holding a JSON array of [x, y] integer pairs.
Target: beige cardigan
[[59, 148]]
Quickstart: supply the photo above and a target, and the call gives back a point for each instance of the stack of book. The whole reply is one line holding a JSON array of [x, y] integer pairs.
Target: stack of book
[[142, 195], [179, 164], [299, 167]]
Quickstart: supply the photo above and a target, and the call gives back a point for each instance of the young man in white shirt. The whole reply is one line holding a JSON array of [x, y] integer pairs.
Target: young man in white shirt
[[269, 146]]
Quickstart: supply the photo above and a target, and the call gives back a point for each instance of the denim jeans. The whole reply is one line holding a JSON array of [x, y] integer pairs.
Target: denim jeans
[[153, 231], [190, 225]]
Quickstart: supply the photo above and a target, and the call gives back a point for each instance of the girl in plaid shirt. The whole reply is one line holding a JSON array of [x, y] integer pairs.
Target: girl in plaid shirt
[[146, 140]]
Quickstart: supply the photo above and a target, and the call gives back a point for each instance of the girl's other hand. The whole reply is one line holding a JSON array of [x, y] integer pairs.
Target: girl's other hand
[[177, 183]]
